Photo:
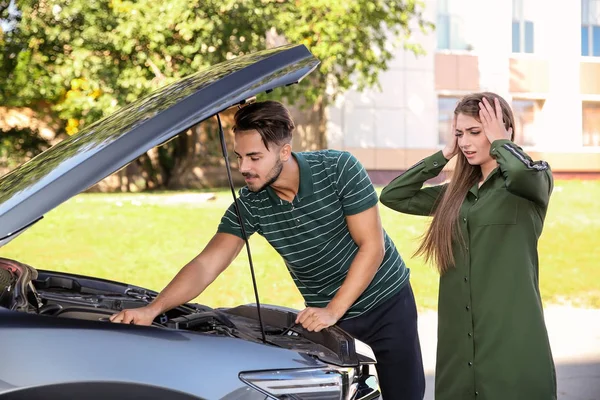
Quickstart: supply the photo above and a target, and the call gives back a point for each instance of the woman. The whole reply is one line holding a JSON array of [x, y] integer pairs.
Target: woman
[[492, 339]]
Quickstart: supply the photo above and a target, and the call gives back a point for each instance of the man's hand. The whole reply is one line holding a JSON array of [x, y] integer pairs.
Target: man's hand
[[315, 319], [138, 316], [189, 282]]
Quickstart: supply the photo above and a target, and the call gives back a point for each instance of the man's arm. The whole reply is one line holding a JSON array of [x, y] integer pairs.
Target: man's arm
[[191, 280], [367, 232]]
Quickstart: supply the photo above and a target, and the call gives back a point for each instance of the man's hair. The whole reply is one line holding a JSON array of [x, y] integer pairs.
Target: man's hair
[[269, 118]]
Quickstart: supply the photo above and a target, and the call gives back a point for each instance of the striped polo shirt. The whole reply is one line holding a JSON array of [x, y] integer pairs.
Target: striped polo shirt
[[311, 233]]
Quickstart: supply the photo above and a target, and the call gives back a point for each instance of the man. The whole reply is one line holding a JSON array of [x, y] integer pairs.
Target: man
[[319, 211]]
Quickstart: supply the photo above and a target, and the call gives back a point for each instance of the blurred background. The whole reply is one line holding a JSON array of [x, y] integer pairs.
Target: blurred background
[[542, 57], [391, 73]]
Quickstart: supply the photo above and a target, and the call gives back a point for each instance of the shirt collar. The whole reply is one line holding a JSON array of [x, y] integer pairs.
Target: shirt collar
[[475, 188], [306, 180]]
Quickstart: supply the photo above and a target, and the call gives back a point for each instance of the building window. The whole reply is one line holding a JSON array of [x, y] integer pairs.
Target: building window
[[590, 28], [591, 123], [525, 113], [451, 27], [446, 106], [522, 26]]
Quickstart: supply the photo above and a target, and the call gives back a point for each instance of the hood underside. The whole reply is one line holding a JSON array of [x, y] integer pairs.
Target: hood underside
[[106, 146]]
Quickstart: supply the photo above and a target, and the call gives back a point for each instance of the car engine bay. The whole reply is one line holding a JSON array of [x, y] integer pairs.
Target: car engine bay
[[60, 295]]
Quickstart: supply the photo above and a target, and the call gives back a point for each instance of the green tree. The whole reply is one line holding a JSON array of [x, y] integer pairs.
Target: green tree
[[89, 58]]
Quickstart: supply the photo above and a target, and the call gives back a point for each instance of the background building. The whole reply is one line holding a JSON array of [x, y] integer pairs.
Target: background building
[[543, 57]]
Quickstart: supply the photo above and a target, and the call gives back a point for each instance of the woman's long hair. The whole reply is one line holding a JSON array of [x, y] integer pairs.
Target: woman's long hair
[[444, 231]]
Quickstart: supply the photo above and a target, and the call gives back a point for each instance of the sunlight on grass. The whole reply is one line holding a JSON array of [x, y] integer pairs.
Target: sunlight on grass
[[144, 239]]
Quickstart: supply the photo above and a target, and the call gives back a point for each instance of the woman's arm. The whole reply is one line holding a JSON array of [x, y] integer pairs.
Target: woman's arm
[[406, 193]]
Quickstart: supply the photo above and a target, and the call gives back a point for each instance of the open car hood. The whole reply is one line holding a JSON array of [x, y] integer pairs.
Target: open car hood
[[106, 146]]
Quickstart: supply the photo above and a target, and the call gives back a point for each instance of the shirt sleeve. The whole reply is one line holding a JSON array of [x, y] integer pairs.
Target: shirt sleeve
[[354, 187], [406, 193], [230, 221], [524, 177]]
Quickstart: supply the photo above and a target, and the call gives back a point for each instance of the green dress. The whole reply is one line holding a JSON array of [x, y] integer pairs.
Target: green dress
[[492, 338]]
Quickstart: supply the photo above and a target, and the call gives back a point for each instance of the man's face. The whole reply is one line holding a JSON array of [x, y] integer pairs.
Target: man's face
[[259, 166]]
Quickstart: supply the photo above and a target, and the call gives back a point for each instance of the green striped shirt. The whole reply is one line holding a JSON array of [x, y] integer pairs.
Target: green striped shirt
[[311, 233]]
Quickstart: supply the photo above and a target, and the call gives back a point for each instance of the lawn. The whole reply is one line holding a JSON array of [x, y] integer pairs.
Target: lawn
[[144, 239]]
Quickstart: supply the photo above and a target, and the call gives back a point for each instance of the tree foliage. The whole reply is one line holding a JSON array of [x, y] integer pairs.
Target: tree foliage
[[88, 58]]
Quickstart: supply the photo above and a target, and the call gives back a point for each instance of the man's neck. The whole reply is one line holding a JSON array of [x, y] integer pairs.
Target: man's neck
[[288, 183]]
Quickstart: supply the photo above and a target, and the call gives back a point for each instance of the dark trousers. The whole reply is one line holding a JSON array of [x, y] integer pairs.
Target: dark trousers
[[391, 331]]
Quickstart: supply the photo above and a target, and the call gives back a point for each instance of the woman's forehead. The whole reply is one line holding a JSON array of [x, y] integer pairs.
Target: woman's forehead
[[466, 121]]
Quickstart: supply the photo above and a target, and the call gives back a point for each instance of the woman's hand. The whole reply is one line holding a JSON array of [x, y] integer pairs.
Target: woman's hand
[[451, 148], [492, 121]]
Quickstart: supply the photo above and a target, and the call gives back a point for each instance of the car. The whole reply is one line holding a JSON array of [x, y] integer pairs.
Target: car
[[56, 339]]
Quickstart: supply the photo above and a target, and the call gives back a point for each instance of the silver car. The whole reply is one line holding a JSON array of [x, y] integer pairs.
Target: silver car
[[55, 338]]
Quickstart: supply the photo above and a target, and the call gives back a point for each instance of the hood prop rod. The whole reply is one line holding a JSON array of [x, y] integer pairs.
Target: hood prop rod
[[239, 215]]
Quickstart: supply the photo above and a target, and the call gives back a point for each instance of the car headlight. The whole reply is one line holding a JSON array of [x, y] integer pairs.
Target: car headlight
[[304, 384], [364, 350]]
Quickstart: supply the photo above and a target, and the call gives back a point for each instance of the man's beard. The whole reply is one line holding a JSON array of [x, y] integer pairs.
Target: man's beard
[[272, 176]]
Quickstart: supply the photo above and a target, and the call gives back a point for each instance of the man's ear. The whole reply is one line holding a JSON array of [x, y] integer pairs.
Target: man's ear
[[285, 153]]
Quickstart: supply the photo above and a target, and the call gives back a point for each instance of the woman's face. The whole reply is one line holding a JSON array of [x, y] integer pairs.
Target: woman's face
[[472, 141]]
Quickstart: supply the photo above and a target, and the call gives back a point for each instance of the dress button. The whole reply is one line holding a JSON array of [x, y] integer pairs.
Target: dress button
[[435, 163], [466, 279], [465, 219], [470, 364], [476, 393], [468, 308], [470, 334]]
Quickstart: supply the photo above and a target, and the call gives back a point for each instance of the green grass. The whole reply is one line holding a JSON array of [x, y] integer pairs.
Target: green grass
[[144, 239]]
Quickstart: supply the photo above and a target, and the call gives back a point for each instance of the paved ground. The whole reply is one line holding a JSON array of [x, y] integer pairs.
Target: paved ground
[[575, 339]]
